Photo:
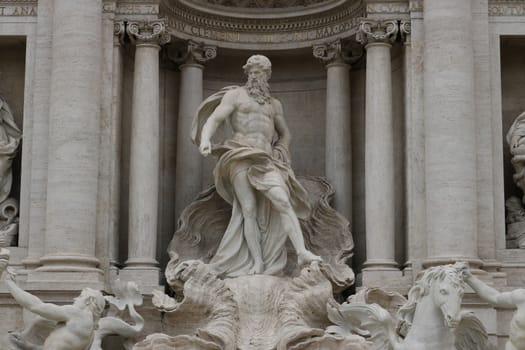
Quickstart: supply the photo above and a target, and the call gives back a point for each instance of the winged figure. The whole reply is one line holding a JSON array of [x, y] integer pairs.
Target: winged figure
[[431, 318]]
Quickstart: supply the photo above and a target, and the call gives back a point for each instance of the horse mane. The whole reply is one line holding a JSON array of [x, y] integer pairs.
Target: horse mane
[[452, 273]]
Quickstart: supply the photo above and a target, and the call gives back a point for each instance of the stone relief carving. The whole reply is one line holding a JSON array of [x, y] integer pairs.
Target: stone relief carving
[[80, 326], [338, 51], [192, 52], [10, 136], [148, 31], [515, 219], [373, 31], [431, 318]]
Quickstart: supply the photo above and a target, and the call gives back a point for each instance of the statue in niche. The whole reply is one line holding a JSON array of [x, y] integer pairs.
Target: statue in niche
[[80, 326], [254, 176], [243, 283], [10, 136], [516, 222], [512, 299]]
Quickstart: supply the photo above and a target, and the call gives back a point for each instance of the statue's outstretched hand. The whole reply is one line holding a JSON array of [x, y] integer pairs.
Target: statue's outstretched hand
[[205, 147]]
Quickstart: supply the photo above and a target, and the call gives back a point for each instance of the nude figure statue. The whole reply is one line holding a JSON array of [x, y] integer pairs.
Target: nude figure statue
[[253, 174], [513, 299], [76, 323]]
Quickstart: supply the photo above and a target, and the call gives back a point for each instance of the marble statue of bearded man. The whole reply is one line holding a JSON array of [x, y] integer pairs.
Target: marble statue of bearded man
[[253, 174]]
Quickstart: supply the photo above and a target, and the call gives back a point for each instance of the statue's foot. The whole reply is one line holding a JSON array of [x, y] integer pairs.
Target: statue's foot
[[257, 269], [306, 257]]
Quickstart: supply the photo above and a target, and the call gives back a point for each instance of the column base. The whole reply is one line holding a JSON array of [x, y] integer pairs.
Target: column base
[[79, 271], [146, 278], [391, 279], [474, 263]]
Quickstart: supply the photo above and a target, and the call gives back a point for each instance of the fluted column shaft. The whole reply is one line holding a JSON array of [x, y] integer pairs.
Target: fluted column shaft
[[379, 146], [73, 138], [450, 134], [188, 173], [145, 147], [338, 151]]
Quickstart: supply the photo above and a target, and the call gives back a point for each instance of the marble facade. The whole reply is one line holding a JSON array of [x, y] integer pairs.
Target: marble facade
[[402, 105]]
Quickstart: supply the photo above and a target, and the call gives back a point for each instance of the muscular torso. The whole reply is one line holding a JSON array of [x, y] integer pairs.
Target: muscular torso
[[517, 327], [75, 334], [253, 123]]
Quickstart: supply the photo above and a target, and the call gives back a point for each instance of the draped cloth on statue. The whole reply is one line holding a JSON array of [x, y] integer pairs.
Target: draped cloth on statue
[[264, 172], [10, 136]]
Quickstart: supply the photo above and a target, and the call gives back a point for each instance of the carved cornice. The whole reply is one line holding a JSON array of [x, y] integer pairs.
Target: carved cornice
[[148, 32], [377, 31], [506, 8], [18, 8], [192, 52], [388, 7], [338, 52], [266, 4], [285, 30]]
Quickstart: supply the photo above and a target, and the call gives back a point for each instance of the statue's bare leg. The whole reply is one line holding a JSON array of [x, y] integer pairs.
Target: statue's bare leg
[[290, 224], [510, 346], [246, 197]]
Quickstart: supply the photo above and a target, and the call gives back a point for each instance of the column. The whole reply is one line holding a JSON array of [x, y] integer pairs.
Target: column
[[41, 92], [338, 152], [142, 265], [188, 173], [119, 31], [73, 144], [379, 151], [450, 133]]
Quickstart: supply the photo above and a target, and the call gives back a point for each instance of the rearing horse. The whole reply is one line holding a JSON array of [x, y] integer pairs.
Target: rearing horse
[[432, 316]]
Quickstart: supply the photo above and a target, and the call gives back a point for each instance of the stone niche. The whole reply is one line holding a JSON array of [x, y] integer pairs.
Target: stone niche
[[513, 104], [12, 78]]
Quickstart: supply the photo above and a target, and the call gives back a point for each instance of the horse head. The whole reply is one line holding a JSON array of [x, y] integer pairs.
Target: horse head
[[444, 286]]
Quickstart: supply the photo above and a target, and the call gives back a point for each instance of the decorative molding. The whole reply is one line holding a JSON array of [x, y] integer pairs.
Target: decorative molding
[[192, 52], [373, 31], [262, 3], [187, 22], [405, 29], [18, 8], [154, 32], [416, 6], [338, 52], [119, 31]]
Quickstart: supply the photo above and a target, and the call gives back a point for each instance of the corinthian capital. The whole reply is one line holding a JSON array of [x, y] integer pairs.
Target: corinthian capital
[[337, 52], [374, 31], [193, 52], [154, 32]]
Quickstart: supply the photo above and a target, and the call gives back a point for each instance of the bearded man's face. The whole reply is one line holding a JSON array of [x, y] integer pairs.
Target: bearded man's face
[[257, 85]]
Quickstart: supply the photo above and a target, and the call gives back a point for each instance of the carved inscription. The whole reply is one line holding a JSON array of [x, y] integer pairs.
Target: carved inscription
[[30, 10], [278, 37], [131, 9], [396, 7], [507, 10]]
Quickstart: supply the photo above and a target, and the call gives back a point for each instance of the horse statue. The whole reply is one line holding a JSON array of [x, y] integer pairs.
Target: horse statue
[[431, 318]]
